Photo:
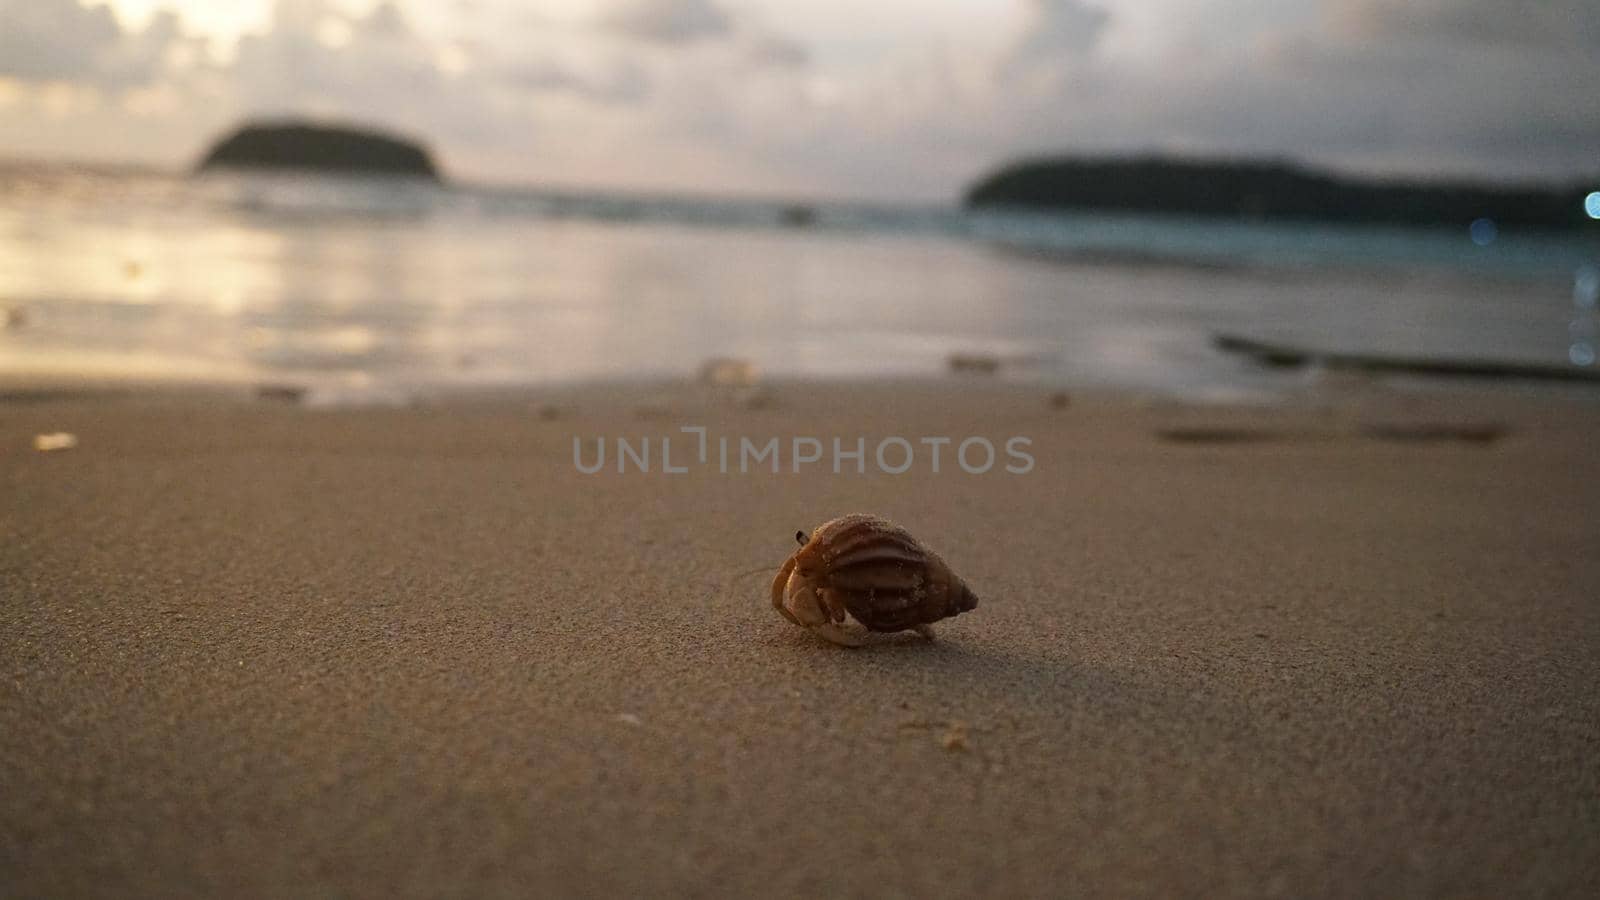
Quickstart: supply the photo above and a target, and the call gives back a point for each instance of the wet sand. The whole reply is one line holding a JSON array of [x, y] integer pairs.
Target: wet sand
[[249, 648]]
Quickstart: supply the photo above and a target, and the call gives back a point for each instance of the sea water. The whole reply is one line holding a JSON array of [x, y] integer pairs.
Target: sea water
[[406, 284]]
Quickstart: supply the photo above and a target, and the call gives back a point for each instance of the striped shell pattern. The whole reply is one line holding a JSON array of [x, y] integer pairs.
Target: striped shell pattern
[[860, 574]]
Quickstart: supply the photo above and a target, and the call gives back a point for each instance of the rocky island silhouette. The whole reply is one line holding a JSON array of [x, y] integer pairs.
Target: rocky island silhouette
[[320, 147], [1263, 190]]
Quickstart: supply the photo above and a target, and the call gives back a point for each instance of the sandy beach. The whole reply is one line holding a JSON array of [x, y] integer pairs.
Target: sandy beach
[[250, 648]]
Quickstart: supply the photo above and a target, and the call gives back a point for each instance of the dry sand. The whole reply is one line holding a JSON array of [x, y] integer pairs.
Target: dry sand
[[248, 648]]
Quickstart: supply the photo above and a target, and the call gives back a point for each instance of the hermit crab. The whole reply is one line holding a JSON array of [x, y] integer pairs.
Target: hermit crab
[[859, 574]]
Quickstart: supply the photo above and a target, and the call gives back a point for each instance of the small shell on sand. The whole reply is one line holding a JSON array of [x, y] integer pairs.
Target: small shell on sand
[[860, 574], [50, 443]]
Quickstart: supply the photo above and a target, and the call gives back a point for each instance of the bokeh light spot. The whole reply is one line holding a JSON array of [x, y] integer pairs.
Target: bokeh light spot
[[1581, 353], [1484, 232], [1586, 287], [1591, 205]]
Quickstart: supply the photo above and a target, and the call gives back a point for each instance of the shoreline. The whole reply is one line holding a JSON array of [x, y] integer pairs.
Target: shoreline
[[964, 373]]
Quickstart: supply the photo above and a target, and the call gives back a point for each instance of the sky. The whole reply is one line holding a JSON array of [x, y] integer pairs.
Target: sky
[[871, 99]]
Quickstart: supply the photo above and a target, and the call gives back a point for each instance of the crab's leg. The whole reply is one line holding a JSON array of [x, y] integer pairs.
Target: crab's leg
[[778, 584], [831, 604], [844, 637]]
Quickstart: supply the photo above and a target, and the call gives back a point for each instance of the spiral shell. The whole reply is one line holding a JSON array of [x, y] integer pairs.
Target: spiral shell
[[859, 574]]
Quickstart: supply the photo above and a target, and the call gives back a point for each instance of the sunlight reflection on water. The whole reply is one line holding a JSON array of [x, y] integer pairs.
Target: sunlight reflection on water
[[367, 282]]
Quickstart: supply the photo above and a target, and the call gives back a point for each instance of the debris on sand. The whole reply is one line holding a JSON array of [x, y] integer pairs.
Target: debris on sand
[[1202, 434], [758, 398], [12, 317], [975, 363], [1475, 433], [1289, 356], [797, 216], [59, 440], [956, 732], [955, 739], [280, 393], [1060, 400], [729, 372]]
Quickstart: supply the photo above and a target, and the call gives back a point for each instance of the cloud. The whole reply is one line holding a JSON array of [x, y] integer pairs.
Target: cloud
[[668, 21], [563, 100], [1568, 24], [771, 50], [385, 20], [1061, 28], [316, 59], [1052, 57], [619, 81], [692, 94], [1473, 85], [1427, 87], [57, 40]]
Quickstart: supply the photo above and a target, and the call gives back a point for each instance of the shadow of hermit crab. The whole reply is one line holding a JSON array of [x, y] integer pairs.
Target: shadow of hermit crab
[[860, 574]]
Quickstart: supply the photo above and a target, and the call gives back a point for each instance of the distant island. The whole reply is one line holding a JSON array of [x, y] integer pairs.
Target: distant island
[[1246, 189], [323, 148]]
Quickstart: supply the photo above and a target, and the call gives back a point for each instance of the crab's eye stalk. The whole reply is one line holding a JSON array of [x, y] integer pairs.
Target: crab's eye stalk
[[800, 538]]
